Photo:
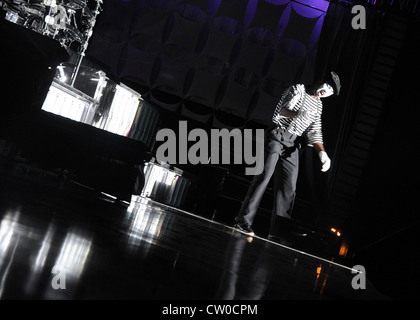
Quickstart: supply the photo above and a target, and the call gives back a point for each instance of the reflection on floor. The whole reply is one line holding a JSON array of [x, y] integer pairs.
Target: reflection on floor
[[60, 240]]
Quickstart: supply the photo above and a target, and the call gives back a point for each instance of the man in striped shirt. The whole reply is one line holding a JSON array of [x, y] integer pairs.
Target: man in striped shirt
[[298, 113]]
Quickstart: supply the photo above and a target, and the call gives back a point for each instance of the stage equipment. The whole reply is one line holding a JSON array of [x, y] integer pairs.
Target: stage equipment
[[67, 102], [96, 100], [166, 184], [67, 21], [89, 126]]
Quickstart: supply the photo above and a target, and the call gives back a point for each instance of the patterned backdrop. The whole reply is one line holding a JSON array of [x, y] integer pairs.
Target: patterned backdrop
[[221, 62]]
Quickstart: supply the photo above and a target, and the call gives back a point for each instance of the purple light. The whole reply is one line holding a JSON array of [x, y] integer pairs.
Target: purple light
[[318, 4], [316, 32], [250, 11], [212, 6], [304, 10], [278, 2]]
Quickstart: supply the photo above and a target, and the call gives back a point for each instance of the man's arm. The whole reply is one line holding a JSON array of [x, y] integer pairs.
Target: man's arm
[[318, 146], [289, 99], [288, 113]]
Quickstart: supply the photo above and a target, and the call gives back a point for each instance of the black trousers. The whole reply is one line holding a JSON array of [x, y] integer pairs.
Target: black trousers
[[282, 161]]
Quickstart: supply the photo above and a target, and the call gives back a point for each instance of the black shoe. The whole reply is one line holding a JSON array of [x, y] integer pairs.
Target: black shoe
[[245, 228]]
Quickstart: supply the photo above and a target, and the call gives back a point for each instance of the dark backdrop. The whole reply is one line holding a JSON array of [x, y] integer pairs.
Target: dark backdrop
[[225, 63]]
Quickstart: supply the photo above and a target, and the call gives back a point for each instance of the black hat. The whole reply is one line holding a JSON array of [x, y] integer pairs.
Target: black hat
[[335, 81]]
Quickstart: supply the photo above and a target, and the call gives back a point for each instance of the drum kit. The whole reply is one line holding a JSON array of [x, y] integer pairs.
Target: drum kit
[[70, 22]]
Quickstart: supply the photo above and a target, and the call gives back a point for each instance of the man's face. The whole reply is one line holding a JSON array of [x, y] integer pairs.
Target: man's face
[[325, 90]]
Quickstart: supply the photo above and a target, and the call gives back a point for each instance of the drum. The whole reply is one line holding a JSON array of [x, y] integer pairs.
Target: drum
[[73, 4], [15, 17]]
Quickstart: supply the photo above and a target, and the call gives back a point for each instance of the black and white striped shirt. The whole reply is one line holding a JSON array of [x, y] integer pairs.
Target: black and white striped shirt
[[306, 123]]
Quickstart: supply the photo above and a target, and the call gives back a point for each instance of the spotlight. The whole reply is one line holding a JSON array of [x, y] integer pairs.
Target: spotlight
[[337, 233]]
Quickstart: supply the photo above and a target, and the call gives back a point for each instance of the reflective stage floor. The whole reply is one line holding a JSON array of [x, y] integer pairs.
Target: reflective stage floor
[[60, 240]]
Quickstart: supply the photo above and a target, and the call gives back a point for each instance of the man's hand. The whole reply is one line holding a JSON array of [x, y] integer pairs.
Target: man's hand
[[325, 160]]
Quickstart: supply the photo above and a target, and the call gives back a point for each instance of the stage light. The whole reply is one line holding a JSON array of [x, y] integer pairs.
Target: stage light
[[49, 20], [344, 248], [318, 270], [337, 233]]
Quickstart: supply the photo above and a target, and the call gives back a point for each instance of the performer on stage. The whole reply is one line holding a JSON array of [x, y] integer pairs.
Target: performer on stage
[[298, 113]]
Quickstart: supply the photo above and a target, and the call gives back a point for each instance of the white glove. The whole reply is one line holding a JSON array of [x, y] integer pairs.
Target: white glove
[[325, 160]]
